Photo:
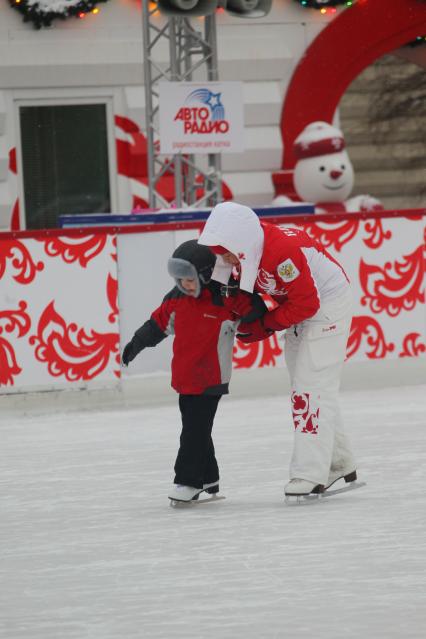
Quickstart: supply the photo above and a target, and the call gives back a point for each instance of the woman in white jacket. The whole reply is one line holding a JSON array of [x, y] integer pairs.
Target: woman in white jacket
[[314, 304]]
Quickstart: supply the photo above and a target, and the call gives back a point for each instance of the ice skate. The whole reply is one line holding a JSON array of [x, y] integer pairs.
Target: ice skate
[[211, 488], [299, 489], [180, 494], [183, 493], [335, 475], [350, 478]]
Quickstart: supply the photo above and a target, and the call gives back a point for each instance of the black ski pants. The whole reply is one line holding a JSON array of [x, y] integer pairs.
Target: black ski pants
[[196, 462]]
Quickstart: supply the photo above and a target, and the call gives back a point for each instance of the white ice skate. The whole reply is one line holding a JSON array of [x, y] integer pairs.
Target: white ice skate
[[212, 488], [184, 493], [181, 494], [350, 478], [334, 475], [298, 489]]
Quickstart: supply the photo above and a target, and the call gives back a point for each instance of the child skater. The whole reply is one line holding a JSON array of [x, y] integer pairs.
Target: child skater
[[203, 315]]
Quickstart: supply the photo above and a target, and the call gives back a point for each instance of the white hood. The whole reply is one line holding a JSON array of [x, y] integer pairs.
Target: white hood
[[237, 228]]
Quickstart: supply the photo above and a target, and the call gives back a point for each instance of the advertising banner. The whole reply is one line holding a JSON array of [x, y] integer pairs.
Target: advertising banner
[[201, 117]]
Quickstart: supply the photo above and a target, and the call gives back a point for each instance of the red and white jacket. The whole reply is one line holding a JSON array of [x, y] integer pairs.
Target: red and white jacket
[[298, 273], [285, 263]]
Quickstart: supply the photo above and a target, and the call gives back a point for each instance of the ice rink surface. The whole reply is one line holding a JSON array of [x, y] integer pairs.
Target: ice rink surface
[[90, 547]]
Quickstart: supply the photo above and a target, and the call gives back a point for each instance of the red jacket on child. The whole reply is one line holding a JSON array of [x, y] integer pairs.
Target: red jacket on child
[[204, 328], [204, 338]]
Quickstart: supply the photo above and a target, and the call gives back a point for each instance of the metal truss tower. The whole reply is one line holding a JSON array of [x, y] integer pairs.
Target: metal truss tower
[[189, 50]]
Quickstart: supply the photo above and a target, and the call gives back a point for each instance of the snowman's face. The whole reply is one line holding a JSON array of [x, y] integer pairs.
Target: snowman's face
[[327, 178]]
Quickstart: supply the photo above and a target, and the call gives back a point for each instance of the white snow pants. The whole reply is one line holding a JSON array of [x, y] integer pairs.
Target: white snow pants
[[315, 351]]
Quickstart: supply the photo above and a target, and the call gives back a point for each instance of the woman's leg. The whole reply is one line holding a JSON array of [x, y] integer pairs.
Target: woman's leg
[[315, 388], [291, 347], [342, 460]]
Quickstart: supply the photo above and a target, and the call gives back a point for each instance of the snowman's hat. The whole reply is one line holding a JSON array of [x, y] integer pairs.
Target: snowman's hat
[[318, 138]]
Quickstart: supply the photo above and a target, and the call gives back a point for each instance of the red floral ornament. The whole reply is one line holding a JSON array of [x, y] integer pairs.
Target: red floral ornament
[[411, 346], [256, 354], [73, 249], [376, 232], [10, 321], [69, 350], [8, 364], [392, 294], [22, 262], [16, 319], [364, 326], [114, 243], [112, 294], [333, 234], [304, 414]]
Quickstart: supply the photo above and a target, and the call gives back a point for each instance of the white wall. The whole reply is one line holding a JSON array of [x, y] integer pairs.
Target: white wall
[[103, 54], [112, 42]]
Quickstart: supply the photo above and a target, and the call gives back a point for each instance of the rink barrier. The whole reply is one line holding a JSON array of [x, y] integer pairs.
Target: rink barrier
[[71, 298], [131, 224]]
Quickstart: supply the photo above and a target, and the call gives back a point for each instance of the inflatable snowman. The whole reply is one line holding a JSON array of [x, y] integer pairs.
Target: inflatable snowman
[[323, 173]]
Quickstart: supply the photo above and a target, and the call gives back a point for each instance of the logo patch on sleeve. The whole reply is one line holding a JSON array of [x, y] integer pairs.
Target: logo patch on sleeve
[[288, 271]]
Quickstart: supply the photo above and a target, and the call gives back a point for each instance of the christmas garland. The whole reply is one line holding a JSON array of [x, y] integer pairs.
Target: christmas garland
[[324, 4], [42, 12], [418, 41]]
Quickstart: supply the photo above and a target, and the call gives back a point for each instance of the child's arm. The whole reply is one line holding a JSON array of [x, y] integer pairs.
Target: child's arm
[[151, 333]]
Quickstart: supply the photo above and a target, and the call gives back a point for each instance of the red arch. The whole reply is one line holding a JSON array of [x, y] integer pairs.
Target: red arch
[[352, 41]]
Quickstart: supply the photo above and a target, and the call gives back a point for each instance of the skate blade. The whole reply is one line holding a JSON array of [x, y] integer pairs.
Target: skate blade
[[304, 500], [301, 500], [174, 503], [345, 489]]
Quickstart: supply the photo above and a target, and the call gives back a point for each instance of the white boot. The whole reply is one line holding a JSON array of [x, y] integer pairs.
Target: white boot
[[212, 488], [299, 487], [184, 493], [348, 475]]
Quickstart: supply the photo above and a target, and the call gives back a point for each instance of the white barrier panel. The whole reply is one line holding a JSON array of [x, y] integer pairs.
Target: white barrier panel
[[143, 277], [383, 257], [58, 300], [58, 313]]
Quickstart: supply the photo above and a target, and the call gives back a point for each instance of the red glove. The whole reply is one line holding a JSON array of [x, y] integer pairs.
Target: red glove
[[253, 331], [270, 322], [241, 304]]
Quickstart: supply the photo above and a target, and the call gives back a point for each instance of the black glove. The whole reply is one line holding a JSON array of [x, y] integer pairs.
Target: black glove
[[131, 350], [149, 334], [257, 311]]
